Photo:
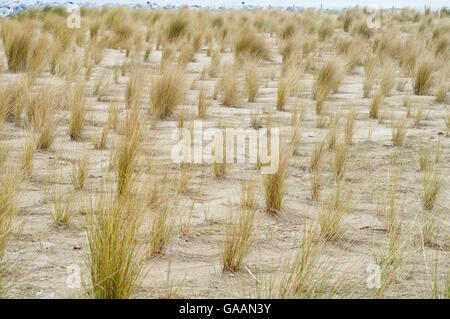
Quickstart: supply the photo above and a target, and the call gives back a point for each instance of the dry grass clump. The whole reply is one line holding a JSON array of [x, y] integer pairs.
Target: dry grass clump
[[256, 120], [252, 80], [332, 134], [284, 85], [340, 156], [181, 118], [326, 81], [385, 47], [116, 260], [274, 188], [37, 57], [293, 69], [186, 172], [134, 88], [13, 98], [125, 154], [17, 42], [369, 74], [350, 125], [147, 53], [94, 52], [215, 64], [326, 29], [316, 155], [431, 228], [309, 274], [447, 123], [288, 50], [168, 53], [237, 239], [432, 184], [375, 105], [219, 167], [352, 51], [39, 110], [37, 107], [249, 44], [390, 261], [441, 92], [94, 29], [203, 103], [398, 126], [228, 85], [388, 207], [3, 111], [4, 152], [101, 86], [423, 80], [437, 287], [27, 155], [113, 116], [162, 220], [424, 157], [10, 182], [248, 195], [401, 84], [333, 212], [287, 31], [176, 28], [387, 78], [186, 55], [121, 38], [316, 181], [408, 56], [60, 207], [100, 141], [78, 113], [322, 121], [80, 170], [166, 92], [407, 104], [294, 140], [46, 133], [418, 116]]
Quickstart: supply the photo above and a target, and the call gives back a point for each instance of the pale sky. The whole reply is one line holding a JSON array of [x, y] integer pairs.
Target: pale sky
[[435, 4], [311, 3]]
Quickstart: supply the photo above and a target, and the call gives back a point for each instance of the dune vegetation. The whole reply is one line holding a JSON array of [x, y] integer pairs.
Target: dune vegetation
[[89, 118]]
